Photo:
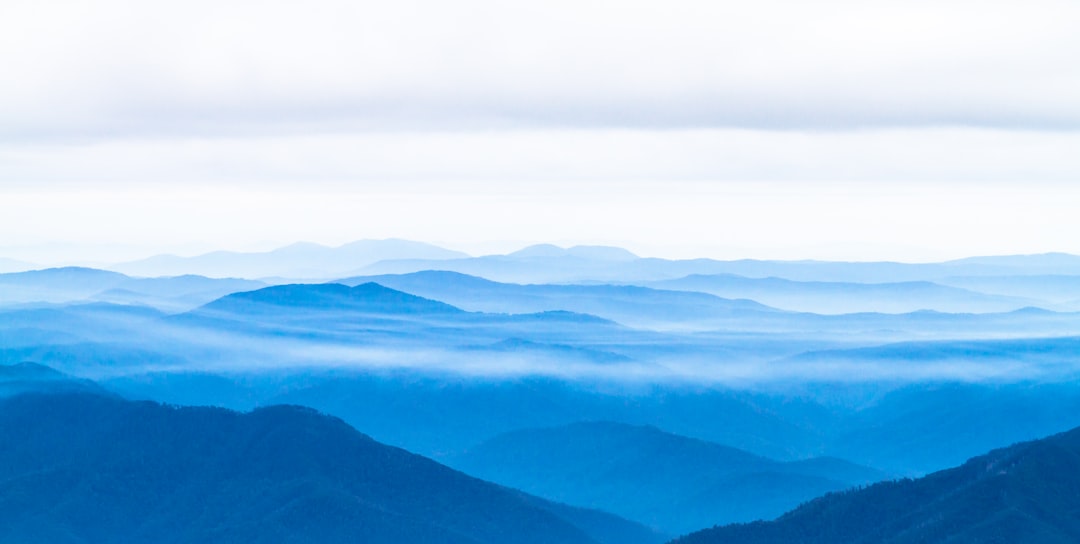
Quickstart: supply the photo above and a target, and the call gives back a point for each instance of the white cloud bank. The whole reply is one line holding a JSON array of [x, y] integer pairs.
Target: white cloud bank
[[659, 125], [99, 68]]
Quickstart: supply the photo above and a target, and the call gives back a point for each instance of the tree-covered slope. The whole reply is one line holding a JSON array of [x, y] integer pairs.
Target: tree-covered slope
[[91, 468], [1029, 492], [672, 482]]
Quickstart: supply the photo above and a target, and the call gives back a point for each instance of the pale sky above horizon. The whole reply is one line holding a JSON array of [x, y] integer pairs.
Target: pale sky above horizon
[[835, 129]]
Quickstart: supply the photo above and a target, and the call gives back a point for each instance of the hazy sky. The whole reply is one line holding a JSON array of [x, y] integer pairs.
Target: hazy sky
[[835, 129]]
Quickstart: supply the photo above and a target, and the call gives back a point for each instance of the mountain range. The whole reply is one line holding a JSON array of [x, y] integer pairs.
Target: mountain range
[[848, 297], [629, 388], [630, 305], [1024, 493], [673, 483], [83, 467], [300, 260], [76, 284], [549, 264]]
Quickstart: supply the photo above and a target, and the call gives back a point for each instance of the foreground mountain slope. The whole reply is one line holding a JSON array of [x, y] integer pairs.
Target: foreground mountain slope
[[672, 482], [923, 428], [1028, 492], [90, 468]]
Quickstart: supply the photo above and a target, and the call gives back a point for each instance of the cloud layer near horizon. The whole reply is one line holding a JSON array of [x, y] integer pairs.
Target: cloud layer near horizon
[[480, 102], [120, 68]]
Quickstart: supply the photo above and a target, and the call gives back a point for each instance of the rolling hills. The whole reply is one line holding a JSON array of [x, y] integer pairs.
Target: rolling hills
[[91, 468], [300, 260], [82, 285], [630, 305], [668, 481], [849, 297]]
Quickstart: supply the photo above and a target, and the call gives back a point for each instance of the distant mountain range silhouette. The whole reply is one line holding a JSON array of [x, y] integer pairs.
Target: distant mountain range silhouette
[[300, 260]]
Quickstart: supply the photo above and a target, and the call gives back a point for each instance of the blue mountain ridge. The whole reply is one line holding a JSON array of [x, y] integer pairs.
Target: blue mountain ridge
[[92, 468], [1023, 493]]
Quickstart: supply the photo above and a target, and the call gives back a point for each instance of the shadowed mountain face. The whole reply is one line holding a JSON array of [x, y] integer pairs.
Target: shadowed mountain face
[[87, 468], [674, 483], [1025, 493]]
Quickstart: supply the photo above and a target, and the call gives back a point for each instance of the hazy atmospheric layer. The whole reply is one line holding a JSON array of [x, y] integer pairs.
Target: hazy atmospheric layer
[[577, 313], [441, 353]]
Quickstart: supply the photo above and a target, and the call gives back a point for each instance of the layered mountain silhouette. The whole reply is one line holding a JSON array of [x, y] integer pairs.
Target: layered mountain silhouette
[[550, 264], [849, 297], [629, 305], [664, 309], [301, 260], [924, 427], [336, 307], [365, 298], [81, 285], [1027, 493], [91, 468], [599, 253], [1062, 290], [26, 377], [671, 482]]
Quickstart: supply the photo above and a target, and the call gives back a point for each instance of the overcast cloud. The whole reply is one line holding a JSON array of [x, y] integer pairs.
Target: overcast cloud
[[476, 94], [115, 68]]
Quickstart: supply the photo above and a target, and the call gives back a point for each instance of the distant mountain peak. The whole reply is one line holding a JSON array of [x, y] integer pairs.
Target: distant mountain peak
[[369, 297], [29, 371], [297, 260], [61, 271], [601, 253], [30, 377]]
